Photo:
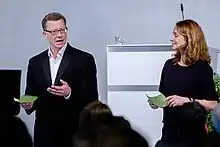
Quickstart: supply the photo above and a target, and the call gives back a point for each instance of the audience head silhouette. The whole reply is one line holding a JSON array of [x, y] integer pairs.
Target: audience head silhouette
[[94, 113], [99, 128], [14, 133]]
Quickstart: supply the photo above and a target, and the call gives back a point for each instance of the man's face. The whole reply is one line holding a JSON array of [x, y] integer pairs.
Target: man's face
[[56, 33]]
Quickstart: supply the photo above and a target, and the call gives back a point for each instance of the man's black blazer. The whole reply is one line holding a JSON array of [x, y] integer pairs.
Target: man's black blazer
[[78, 69]]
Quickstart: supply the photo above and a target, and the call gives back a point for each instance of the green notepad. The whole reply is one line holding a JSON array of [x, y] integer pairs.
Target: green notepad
[[158, 100], [26, 99]]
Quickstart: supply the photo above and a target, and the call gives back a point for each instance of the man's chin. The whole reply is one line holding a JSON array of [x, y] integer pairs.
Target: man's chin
[[59, 46]]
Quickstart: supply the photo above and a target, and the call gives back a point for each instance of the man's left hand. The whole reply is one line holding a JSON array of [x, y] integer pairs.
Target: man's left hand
[[63, 90]]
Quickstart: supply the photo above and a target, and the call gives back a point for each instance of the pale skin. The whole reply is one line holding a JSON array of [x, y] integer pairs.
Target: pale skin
[[178, 42], [62, 90], [56, 43]]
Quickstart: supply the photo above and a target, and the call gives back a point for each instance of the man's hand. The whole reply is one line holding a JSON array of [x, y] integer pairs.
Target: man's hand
[[63, 90], [175, 100], [27, 105]]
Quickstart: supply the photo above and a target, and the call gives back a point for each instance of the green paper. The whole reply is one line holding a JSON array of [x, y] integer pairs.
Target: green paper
[[158, 100], [26, 99]]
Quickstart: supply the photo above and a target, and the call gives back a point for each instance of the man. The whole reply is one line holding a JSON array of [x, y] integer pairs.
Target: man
[[64, 79]]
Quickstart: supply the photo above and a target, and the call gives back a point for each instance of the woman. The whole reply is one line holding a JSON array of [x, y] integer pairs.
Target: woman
[[187, 82]]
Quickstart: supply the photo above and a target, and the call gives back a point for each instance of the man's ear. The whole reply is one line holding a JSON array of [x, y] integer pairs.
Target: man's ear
[[44, 33]]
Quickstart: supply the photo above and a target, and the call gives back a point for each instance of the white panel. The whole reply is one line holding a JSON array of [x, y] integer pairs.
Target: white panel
[[135, 68], [134, 107]]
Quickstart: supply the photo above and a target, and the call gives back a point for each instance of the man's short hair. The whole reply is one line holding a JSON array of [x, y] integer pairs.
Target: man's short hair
[[54, 16]]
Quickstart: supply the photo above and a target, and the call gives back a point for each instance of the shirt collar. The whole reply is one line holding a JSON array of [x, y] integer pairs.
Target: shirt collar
[[60, 53]]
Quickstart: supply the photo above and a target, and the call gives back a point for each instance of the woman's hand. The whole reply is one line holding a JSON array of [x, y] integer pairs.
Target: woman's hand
[[175, 100]]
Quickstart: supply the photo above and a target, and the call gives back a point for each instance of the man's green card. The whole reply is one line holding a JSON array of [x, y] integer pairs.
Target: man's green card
[[26, 99]]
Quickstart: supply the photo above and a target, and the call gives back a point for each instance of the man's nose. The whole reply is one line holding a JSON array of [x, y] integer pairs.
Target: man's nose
[[59, 34]]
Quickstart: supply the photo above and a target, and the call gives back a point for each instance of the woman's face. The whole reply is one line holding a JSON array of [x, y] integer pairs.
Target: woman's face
[[177, 40]]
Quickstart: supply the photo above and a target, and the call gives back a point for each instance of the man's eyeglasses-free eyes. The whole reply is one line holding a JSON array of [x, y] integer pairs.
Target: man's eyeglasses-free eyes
[[55, 32]]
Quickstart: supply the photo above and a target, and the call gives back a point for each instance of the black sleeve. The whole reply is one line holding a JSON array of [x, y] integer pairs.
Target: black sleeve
[[88, 88], [161, 86], [30, 86], [89, 83], [208, 83]]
